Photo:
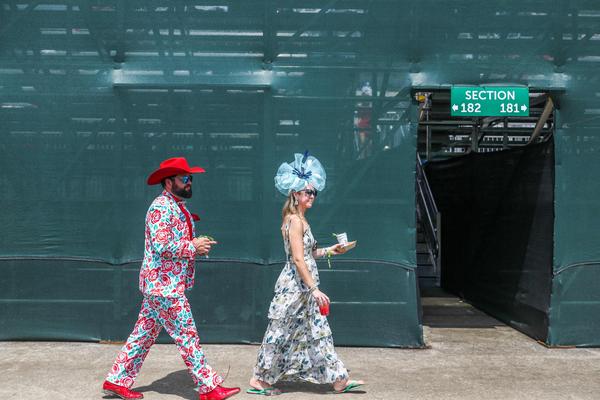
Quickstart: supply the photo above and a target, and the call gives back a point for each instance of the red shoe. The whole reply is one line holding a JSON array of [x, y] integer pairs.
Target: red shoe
[[121, 391], [219, 393]]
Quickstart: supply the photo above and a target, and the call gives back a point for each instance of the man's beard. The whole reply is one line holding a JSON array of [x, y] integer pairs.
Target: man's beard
[[184, 192]]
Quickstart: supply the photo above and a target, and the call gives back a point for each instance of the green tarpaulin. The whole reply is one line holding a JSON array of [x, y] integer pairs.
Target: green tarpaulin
[[94, 94]]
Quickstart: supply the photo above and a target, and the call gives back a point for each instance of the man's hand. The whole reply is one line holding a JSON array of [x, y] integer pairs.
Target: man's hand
[[203, 244]]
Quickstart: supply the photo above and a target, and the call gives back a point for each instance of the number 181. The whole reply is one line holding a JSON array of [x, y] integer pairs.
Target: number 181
[[509, 108]]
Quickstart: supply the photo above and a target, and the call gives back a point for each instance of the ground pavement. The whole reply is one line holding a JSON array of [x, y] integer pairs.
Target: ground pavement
[[470, 356]]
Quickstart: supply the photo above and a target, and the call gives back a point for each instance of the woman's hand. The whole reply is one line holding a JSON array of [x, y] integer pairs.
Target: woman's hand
[[336, 249], [320, 297]]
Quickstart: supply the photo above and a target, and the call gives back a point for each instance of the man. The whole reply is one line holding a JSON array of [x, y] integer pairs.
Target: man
[[167, 272]]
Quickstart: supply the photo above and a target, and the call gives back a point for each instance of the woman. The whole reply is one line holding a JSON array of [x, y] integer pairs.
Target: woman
[[298, 344]]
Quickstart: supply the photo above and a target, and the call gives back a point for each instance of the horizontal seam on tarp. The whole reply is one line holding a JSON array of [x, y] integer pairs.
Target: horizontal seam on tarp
[[58, 301], [578, 264], [204, 260], [369, 303], [101, 261]]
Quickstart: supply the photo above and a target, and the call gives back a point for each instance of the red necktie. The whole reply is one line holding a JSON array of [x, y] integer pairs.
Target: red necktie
[[188, 219]]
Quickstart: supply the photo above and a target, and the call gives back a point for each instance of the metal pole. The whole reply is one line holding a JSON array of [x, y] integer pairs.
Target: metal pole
[[505, 135], [438, 260], [475, 136], [427, 107], [542, 121]]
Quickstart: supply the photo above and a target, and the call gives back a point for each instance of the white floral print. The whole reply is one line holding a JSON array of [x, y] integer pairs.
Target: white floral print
[[297, 344]]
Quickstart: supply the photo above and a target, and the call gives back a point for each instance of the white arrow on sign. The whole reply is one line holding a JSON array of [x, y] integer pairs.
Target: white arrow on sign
[[454, 107], [523, 108]]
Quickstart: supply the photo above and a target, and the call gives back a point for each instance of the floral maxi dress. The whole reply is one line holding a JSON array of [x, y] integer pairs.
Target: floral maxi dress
[[297, 345]]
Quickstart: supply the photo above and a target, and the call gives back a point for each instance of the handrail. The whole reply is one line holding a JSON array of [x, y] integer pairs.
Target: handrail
[[426, 187], [430, 217]]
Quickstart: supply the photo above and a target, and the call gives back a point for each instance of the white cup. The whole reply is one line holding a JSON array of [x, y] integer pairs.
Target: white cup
[[342, 238]]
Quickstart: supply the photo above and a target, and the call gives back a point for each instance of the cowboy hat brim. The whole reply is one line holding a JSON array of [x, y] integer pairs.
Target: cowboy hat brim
[[162, 173]]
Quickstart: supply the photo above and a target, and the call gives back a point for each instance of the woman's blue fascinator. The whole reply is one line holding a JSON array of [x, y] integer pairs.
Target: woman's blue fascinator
[[295, 176]]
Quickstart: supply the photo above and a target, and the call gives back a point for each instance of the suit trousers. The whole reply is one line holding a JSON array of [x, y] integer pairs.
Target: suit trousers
[[175, 315]]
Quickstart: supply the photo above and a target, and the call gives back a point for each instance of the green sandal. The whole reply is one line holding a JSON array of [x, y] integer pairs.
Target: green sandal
[[351, 385], [270, 391]]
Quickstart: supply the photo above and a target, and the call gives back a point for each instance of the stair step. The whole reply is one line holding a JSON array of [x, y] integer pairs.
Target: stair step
[[425, 271], [422, 247], [423, 259]]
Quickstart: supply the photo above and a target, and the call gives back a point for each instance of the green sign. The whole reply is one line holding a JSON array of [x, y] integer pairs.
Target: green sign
[[489, 101]]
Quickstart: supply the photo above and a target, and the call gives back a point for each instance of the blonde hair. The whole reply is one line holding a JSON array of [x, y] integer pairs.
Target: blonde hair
[[288, 207]]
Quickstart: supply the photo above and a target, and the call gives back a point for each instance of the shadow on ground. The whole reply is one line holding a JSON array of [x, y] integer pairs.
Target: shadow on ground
[[444, 310], [305, 387], [178, 383]]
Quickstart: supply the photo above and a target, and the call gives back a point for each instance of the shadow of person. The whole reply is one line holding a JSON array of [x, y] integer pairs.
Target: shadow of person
[[305, 387], [178, 383]]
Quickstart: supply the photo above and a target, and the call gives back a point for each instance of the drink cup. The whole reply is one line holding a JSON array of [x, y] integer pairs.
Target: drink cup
[[342, 238], [324, 309]]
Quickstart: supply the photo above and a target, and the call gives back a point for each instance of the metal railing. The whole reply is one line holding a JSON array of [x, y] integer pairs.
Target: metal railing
[[430, 219]]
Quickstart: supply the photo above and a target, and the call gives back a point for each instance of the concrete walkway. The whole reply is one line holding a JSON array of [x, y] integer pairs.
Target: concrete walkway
[[471, 356]]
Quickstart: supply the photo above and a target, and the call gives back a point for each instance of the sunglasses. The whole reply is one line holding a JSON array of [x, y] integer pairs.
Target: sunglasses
[[310, 192], [185, 179]]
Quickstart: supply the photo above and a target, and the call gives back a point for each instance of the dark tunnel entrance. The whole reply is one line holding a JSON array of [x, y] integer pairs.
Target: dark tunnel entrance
[[486, 232]]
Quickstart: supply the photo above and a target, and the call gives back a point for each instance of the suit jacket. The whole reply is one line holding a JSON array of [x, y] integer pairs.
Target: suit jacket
[[168, 266]]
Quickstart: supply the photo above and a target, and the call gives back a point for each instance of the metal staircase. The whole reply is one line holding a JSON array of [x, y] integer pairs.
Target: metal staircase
[[441, 136], [428, 231]]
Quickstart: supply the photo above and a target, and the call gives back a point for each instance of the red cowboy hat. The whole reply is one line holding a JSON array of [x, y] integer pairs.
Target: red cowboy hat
[[170, 167]]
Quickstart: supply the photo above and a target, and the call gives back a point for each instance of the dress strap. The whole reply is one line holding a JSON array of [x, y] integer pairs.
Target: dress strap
[[286, 235], [286, 239]]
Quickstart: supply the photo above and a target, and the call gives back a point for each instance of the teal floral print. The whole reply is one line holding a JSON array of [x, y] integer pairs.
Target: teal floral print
[[167, 271], [175, 315], [297, 345], [168, 265]]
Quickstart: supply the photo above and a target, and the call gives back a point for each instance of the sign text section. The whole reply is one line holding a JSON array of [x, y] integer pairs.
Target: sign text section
[[490, 101]]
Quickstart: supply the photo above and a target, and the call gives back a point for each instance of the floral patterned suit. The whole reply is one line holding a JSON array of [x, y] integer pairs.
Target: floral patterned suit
[[167, 272]]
